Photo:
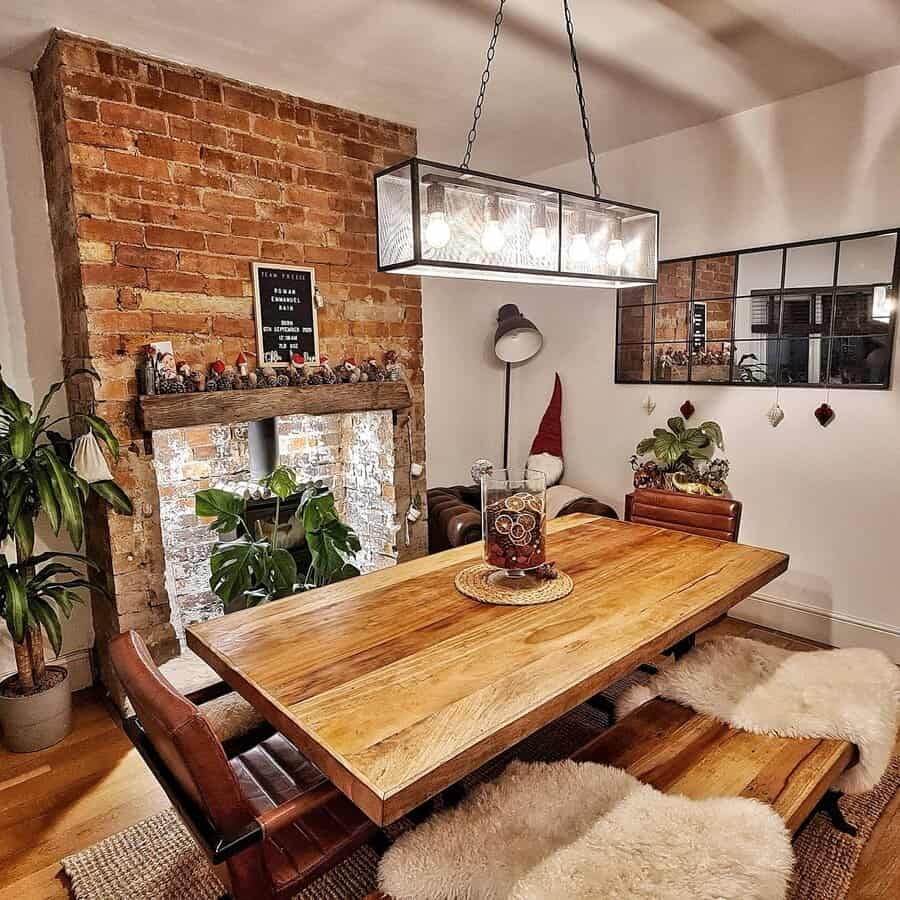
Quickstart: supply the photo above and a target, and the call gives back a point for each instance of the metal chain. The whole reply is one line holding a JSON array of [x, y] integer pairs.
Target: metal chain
[[585, 124], [485, 78]]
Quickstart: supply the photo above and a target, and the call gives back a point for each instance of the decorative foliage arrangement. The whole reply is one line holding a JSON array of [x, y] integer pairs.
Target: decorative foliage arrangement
[[252, 569], [682, 458], [38, 474]]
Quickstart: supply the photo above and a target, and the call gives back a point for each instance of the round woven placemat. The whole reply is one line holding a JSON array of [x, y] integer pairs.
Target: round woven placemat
[[475, 582]]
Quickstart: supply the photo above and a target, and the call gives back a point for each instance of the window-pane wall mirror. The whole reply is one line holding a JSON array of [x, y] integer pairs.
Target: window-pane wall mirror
[[805, 314]]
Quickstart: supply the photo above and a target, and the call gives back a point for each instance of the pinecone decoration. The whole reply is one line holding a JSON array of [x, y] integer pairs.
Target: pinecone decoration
[[212, 384], [315, 379], [171, 386], [282, 381]]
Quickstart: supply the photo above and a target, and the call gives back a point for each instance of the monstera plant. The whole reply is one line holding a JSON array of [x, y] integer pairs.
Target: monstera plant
[[253, 567], [38, 477]]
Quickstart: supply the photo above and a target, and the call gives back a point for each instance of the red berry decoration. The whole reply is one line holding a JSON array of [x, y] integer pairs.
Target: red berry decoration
[[824, 414], [687, 409]]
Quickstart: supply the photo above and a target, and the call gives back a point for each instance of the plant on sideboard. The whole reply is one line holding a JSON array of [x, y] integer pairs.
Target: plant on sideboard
[[682, 458], [40, 475], [253, 568]]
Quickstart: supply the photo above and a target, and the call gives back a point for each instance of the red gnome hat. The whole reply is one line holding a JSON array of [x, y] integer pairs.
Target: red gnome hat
[[549, 435]]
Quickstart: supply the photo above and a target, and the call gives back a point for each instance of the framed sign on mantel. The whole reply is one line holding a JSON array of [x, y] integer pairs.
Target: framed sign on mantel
[[285, 313]]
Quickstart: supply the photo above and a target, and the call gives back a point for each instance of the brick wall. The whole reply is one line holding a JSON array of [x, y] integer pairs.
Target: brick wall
[[164, 182]]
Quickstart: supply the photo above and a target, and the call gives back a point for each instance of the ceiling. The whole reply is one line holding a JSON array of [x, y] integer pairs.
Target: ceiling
[[649, 66]]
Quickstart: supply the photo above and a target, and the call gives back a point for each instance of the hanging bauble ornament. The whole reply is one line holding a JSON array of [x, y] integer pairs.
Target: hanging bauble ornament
[[775, 414], [88, 460], [687, 409], [649, 405], [824, 414]]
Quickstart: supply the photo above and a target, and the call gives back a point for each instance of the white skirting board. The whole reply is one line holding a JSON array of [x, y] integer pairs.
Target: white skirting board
[[78, 662], [816, 624]]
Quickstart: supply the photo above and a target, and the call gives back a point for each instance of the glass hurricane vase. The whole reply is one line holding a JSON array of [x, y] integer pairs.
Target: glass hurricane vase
[[514, 519]]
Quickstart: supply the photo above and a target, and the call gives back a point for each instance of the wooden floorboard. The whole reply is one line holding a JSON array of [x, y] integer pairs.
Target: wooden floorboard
[[92, 785]]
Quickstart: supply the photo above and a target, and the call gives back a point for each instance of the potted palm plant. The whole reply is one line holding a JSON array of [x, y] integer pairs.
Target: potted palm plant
[[41, 474], [253, 567]]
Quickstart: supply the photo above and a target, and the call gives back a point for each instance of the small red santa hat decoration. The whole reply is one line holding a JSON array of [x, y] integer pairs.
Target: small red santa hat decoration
[[546, 449]]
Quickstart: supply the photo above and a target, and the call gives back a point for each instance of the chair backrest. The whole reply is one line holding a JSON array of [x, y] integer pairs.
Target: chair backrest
[[181, 736], [715, 517]]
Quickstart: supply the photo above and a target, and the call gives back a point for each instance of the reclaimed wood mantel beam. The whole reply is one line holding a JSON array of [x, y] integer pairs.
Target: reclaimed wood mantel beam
[[224, 407]]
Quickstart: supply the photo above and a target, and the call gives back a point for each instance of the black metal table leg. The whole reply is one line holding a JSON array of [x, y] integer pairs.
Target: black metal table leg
[[829, 805], [454, 794], [682, 647], [381, 842]]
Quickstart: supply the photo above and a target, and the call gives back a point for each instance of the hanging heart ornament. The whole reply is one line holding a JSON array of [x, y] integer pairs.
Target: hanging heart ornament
[[687, 409], [775, 414], [824, 414], [649, 405]]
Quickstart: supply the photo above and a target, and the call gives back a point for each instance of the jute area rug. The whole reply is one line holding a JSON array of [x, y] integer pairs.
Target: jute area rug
[[158, 860]]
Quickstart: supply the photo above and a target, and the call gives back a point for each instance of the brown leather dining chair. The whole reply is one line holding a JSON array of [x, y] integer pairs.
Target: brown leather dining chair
[[267, 818], [715, 517]]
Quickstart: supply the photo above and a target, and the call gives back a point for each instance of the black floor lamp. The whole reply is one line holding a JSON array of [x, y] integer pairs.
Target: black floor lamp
[[516, 340]]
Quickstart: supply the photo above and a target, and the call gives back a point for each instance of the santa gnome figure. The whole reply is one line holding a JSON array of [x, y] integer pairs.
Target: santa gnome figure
[[546, 450]]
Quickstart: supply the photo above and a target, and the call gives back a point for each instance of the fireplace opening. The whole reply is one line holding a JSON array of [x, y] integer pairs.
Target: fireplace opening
[[353, 454]]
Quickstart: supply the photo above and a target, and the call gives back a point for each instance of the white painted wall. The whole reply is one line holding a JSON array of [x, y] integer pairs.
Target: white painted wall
[[30, 332], [819, 164]]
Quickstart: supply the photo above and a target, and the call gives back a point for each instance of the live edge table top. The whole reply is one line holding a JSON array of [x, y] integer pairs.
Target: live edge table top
[[396, 686]]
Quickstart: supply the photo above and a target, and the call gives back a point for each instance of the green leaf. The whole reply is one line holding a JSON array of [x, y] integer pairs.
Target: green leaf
[[667, 447], [114, 496], [61, 444], [11, 404], [52, 390], [233, 566], [676, 424], [645, 446], [24, 531], [21, 439], [714, 432], [16, 605], [284, 569], [16, 499], [69, 500], [226, 509], [282, 482], [46, 615], [46, 496], [104, 432], [53, 554]]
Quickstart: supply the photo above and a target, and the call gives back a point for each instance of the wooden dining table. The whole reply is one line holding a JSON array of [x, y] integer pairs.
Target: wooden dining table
[[397, 686]]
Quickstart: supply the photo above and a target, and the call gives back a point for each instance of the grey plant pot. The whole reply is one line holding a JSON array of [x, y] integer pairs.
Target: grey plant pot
[[39, 720]]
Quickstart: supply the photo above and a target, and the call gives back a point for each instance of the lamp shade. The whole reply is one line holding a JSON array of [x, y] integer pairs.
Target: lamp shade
[[435, 219], [517, 339]]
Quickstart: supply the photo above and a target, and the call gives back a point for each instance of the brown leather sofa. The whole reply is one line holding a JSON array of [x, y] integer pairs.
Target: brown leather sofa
[[454, 515]]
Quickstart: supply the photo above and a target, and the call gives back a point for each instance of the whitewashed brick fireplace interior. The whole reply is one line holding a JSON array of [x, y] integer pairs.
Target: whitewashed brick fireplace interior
[[353, 453]]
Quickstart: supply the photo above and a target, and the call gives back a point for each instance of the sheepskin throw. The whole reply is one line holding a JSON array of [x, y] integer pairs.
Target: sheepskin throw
[[548, 831], [851, 695]]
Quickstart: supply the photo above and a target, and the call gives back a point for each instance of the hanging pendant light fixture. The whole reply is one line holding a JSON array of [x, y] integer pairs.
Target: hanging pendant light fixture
[[437, 219]]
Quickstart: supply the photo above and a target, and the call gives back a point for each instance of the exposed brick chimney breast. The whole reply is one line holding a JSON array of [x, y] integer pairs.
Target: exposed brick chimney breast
[[163, 183]]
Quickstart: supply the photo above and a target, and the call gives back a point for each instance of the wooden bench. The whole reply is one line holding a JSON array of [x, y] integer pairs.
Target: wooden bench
[[679, 751]]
